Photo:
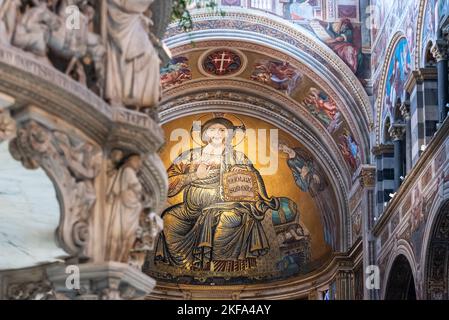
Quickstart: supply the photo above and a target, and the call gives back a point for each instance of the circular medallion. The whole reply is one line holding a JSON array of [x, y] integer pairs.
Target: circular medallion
[[222, 62]]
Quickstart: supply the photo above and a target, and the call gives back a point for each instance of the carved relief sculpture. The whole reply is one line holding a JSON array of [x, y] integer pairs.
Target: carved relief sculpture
[[123, 208], [8, 17], [43, 28], [31, 291], [34, 29], [75, 163], [133, 78], [7, 126]]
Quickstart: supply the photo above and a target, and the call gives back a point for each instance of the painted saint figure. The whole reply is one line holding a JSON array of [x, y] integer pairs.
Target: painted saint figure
[[342, 43], [206, 232], [309, 179], [306, 175], [350, 150]]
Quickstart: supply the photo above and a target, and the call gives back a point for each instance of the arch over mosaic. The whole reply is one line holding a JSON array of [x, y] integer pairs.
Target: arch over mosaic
[[397, 68]]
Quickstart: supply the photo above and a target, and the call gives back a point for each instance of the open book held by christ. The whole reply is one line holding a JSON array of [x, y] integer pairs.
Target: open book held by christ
[[240, 186]]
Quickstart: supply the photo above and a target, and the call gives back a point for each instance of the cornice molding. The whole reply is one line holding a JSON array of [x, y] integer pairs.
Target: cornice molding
[[417, 77], [239, 90], [296, 288]]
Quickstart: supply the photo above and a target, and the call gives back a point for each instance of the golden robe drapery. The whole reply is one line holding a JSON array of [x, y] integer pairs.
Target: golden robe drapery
[[205, 232]]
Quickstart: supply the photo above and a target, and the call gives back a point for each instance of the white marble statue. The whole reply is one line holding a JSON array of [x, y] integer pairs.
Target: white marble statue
[[132, 77], [123, 210], [34, 29], [8, 16], [40, 29]]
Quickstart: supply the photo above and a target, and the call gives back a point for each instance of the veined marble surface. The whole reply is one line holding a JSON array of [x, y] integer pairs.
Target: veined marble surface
[[29, 215]]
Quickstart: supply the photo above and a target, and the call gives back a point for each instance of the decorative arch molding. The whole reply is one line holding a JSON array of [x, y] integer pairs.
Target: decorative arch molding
[[251, 47], [256, 94], [404, 249], [434, 212], [439, 207], [288, 39], [379, 104], [296, 127], [419, 34], [295, 288]]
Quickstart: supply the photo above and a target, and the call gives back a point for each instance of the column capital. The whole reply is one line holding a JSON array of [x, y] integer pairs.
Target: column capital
[[367, 176], [440, 50], [397, 131], [381, 149]]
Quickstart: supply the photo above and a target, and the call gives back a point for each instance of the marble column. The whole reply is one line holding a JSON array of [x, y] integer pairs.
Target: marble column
[[440, 52], [384, 154], [367, 180], [397, 132]]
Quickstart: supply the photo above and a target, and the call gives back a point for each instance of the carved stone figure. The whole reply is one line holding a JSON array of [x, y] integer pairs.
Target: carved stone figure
[[41, 29], [84, 162], [8, 16], [151, 224], [7, 126], [31, 291], [133, 62], [34, 30], [124, 207], [83, 46]]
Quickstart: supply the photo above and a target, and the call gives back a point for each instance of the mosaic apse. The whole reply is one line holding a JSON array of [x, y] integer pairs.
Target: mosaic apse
[[279, 75], [244, 204]]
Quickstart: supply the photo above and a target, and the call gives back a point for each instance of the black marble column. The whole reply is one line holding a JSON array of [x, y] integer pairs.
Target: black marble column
[[397, 132], [405, 111], [440, 52]]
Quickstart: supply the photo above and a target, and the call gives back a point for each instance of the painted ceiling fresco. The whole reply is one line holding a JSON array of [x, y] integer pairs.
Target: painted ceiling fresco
[[273, 73], [244, 204], [336, 23]]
